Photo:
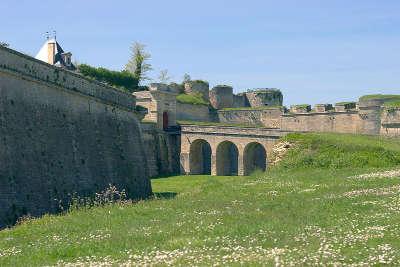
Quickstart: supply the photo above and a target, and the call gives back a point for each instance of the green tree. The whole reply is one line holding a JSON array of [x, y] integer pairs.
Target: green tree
[[4, 44], [138, 63], [186, 78], [163, 77]]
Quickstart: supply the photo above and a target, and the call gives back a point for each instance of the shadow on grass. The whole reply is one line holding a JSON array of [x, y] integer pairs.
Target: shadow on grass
[[164, 195]]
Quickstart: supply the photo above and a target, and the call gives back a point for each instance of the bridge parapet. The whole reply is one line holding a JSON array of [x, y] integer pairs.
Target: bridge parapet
[[226, 150]]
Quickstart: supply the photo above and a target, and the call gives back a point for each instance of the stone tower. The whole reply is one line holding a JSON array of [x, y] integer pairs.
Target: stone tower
[[221, 96], [198, 86]]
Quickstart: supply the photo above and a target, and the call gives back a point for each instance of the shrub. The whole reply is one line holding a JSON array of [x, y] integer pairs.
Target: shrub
[[108, 196], [200, 81], [120, 79]]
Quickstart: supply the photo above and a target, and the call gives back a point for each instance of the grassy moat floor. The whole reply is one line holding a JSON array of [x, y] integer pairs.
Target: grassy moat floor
[[333, 200]]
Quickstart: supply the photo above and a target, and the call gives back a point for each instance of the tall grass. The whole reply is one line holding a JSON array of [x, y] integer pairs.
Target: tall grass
[[336, 151]]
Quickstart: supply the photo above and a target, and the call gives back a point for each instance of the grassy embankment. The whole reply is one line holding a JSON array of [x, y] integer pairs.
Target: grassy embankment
[[390, 101], [314, 208], [193, 99]]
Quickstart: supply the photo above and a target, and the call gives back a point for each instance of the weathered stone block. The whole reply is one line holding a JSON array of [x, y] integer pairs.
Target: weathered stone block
[[323, 107], [264, 97], [344, 106], [304, 108], [221, 96]]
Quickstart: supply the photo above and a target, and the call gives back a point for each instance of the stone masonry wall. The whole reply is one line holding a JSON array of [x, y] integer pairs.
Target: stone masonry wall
[[62, 134], [162, 151], [239, 101], [340, 122], [221, 96], [264, 97], [192, 112], [269, 118]]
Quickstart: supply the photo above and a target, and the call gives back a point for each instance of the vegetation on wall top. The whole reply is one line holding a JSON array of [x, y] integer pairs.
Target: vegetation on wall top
[[345, 103], [392, 104], [379, 97], [264, 90], [223, 85], [301, 106], [194, 99], [198, 81], [120, 79], [390, 101]]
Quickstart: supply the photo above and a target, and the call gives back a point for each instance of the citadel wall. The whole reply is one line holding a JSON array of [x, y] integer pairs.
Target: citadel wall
[[191, 112], [62, 134], [339, 122], [221, 96], [162, 150], [264, 97], [269, 117]]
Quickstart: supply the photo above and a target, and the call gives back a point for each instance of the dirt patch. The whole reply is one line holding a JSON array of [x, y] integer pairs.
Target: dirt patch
[[279, 151]]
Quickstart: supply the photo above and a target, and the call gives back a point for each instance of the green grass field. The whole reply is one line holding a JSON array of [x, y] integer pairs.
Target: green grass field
[[315, 208]]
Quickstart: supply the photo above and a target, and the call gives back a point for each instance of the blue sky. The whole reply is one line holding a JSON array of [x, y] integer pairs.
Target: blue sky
[[314, 51]]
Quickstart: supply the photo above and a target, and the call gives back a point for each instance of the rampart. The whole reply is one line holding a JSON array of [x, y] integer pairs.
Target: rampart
[[62, 134], [162, 150]]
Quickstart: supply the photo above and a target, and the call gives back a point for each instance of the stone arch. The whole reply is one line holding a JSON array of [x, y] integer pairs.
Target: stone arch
[[227, 158], [254, 157], [200, 157]]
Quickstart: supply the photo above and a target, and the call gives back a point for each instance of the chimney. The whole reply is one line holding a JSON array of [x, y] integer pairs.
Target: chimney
[[51, 49]]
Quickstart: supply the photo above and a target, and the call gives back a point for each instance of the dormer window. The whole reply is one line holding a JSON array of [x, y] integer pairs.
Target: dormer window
[[66, 58]]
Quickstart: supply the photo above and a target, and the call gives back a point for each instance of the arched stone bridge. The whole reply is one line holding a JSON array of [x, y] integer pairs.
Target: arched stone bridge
[[219, 150]]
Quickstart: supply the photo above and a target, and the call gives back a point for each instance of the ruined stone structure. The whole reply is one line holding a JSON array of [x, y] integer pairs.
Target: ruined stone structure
[[198, 86], [221, 96], [62, 134], [160, 101]]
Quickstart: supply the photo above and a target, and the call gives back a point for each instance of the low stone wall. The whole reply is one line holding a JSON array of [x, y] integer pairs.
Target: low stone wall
[[242, 116], [192, 112], [62, 134], [339, 122], [270, 118], [162, 150]]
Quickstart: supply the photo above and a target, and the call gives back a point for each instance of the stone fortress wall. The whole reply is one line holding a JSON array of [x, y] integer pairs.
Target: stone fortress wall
[[263, 108], [62, 134]]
